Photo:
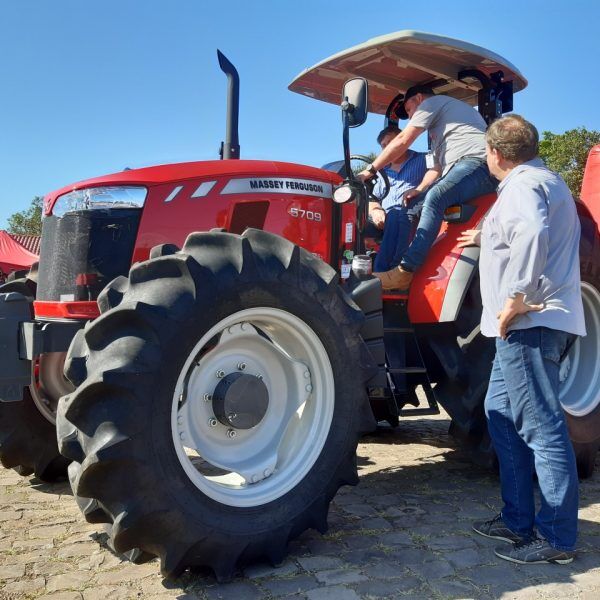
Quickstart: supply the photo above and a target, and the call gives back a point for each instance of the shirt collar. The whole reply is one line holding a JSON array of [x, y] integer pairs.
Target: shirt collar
[[535, 163]]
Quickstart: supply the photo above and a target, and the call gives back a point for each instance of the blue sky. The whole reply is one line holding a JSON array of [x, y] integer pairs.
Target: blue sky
[[91, 87]]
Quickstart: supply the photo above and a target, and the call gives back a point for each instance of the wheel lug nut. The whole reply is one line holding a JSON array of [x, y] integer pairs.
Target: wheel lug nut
[[182, 436], [232, 416], [306, 374], [308, 388], [231, 433], [267, 472], [259, 377], [241, 366], [212, 422], [220, 374], [180, 419], [207, 397]]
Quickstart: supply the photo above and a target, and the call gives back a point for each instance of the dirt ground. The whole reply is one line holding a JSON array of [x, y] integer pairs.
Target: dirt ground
[[404, 532]]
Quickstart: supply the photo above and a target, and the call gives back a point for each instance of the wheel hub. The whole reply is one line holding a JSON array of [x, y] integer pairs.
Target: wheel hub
[[240, 400]]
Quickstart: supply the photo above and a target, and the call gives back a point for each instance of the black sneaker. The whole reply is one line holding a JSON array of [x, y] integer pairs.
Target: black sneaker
[[496, 529], [534, 552]]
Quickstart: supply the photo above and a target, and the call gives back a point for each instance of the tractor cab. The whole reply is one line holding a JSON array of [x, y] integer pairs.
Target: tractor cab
[[389, 65]]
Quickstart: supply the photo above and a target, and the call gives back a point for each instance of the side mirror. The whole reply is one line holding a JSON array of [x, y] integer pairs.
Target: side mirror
[[355, 101]]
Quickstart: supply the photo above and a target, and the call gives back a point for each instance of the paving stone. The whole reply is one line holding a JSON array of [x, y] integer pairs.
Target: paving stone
[[323, 546], [6, 516], [264, 570], [496, 575], [106, 592], [450, 542], [375, 523], [319, 563], [587, 579], [46, 531], [332, 593], [362, 558], [27, 545], [526, 593], [336, 576], [129, 572], [68, 581], [25, 586], [463, 559], [234, 591], [45, 568], [396, 538], [385, 571], [454, 589], [77, 550], [435, 569], [12, 571], [406, 512], [292, 585], [359, 542], [412, 556], [360, 510]]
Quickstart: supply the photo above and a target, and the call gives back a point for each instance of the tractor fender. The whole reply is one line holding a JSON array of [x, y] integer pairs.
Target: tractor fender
[[458, 284]]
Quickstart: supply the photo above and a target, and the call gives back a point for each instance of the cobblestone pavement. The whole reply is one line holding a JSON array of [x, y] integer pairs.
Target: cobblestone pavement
[[404, 532]]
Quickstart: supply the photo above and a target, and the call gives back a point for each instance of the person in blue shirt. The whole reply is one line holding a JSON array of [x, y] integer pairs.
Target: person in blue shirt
[[391, 214]]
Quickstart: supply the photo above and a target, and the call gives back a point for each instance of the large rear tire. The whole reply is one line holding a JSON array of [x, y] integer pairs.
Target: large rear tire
[[580, 380], [157, 447], [27, 430]]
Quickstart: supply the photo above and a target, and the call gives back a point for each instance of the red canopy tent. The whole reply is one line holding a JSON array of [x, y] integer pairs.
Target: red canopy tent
[[13, 256]]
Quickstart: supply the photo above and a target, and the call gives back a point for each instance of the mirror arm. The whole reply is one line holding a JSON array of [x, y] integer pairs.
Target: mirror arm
[[346, 108]]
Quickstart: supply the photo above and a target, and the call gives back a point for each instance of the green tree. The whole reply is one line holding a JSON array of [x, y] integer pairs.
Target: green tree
[[566, 153], [27, 222]]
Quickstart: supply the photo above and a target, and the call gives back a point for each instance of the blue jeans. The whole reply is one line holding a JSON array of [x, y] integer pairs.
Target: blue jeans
[[528, 429], [467, 179], [396, 232]]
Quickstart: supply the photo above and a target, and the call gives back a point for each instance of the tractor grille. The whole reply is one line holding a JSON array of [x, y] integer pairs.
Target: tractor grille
[[84, 250]]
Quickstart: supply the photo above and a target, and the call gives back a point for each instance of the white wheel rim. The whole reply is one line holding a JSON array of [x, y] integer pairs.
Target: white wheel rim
[[580, 371], [263, 463]]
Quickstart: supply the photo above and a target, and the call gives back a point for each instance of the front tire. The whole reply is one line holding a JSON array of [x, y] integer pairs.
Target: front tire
[[27, 430], [155, 452]]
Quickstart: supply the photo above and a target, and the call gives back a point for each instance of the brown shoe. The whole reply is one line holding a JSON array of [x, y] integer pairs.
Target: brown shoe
[[395, 279]]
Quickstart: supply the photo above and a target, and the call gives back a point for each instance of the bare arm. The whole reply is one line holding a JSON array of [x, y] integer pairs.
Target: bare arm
[[394, 150], [430, 176]]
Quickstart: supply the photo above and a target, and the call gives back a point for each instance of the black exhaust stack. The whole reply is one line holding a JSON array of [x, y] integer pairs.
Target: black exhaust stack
[[230, 148]]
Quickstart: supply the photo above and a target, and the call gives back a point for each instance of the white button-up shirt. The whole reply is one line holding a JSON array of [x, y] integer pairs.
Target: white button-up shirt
[[530, 245]]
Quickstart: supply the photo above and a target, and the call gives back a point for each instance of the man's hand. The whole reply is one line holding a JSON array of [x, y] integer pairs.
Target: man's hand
[[365, 175], [409, 195], [470, 237], [377, 214], [513, 307]]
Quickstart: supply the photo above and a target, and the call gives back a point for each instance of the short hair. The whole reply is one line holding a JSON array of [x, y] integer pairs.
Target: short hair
[[514, 138], [386, 130]]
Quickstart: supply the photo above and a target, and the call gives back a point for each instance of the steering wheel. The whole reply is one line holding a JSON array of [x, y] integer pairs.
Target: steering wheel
[[371, 182]]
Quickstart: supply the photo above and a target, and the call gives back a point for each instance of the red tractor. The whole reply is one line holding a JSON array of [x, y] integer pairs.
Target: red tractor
[[198, 341]]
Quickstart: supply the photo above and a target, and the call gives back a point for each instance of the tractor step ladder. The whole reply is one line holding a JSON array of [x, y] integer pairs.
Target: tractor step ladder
[[405, 366]]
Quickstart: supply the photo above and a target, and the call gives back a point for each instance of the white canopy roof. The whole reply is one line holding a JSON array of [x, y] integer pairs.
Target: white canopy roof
[[392, 63]]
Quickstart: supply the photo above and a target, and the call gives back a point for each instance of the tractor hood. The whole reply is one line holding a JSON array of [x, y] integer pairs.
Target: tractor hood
[[392, 63]]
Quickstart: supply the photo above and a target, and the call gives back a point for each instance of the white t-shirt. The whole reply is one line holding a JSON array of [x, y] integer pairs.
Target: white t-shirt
[[455, 129]]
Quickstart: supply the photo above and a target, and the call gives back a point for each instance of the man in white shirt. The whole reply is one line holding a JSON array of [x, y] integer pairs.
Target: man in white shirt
[[531, 294]]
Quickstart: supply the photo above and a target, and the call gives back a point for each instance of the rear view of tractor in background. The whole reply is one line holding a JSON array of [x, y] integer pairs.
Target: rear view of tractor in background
[[199, 345]]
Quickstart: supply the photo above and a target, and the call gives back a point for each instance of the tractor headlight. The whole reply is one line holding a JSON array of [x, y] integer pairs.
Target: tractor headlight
[[344, 193], [100, 198]]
